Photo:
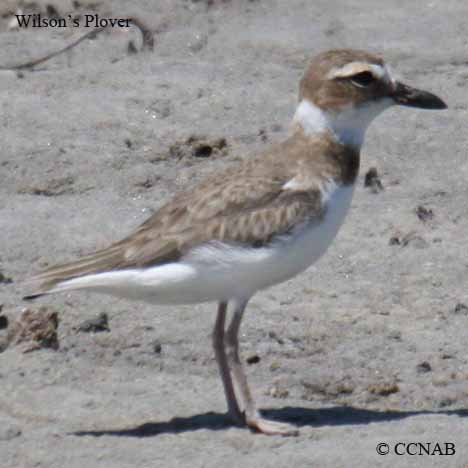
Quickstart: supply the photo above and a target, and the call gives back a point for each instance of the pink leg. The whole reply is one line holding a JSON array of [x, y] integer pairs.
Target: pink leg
[[252, 416], [221, 359]]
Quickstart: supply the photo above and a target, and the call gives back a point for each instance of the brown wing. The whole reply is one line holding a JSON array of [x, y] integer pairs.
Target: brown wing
[[266, 212], [252, 210]]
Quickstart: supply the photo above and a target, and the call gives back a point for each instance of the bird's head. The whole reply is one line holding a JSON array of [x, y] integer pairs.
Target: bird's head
[[342, 91]]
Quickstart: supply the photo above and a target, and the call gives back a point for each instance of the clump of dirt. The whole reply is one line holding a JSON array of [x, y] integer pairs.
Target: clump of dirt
[[199, 147], [147, 182], [254, 359], [262, 133], [212, 3], [279, 389], [461, 308], [372, 181], [424, 214], [97, 324], [383, 388], [156, 347], [423, 367], [34, 329], [411, 238], [51, 188], [3, 319], [327, 388], [5, 279]]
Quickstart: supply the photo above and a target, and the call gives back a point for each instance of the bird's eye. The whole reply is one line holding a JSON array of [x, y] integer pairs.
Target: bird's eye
[[363, 79]]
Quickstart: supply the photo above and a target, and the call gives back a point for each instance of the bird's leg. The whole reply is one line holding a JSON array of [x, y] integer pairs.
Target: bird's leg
[[221, 359], [252, 416]]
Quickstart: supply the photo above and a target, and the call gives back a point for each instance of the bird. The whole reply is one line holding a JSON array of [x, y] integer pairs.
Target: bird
[[256, 223]]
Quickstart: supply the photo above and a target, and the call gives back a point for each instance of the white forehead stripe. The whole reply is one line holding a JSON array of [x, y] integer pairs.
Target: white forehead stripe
[[353, 68], [378, 70]]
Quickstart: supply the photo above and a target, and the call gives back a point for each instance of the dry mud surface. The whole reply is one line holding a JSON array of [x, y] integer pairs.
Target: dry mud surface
[[367, 346]]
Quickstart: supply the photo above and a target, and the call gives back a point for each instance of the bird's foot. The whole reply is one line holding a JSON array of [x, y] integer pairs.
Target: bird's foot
[[264, 426]]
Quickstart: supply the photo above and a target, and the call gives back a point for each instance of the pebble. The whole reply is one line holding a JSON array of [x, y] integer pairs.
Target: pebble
[[254, 359], [156, 346], [3, 322], [97, 324], [372, 180], [461, 308], [424, 214], [423, 367], [8, 431]]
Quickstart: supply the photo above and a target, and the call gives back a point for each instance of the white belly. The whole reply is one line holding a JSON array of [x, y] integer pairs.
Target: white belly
[[218, 271]]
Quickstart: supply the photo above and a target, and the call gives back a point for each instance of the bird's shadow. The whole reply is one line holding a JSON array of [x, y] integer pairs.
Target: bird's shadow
[[331, 416]]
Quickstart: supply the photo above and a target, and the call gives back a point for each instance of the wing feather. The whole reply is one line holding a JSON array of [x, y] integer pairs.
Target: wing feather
[[251, 209]]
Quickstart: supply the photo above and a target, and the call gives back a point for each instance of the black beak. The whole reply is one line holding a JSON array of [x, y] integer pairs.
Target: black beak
[[412, 97]]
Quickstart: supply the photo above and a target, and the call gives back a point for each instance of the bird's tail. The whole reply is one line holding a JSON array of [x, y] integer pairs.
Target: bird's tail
[[59, 278]]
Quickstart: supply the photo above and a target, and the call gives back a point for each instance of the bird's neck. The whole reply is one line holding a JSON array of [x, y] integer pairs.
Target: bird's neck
[[346, 126]]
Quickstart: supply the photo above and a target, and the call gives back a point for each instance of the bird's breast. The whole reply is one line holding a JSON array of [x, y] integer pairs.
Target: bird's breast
[[308, 243]]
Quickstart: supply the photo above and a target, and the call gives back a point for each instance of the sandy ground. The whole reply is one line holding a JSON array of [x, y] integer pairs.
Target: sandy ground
[[367, 346]]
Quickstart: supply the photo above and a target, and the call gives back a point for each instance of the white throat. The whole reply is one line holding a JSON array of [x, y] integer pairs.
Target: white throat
[[348, 126]]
